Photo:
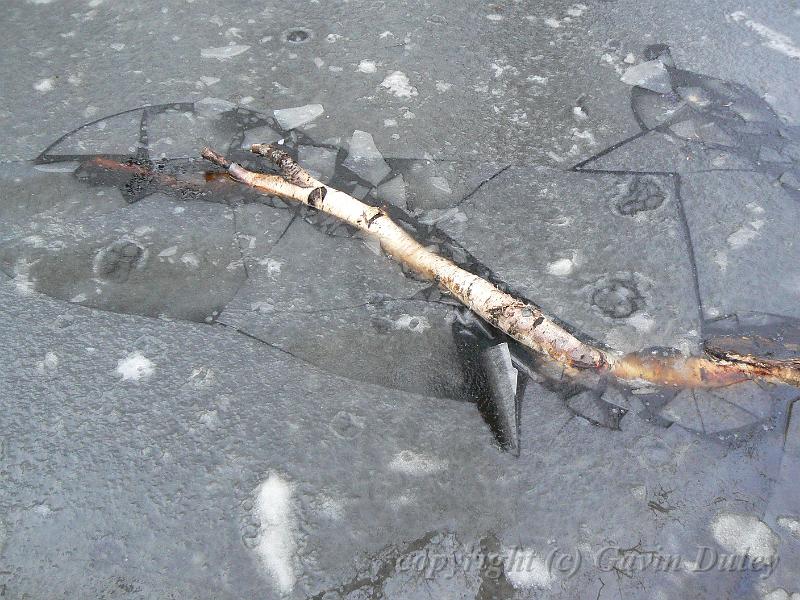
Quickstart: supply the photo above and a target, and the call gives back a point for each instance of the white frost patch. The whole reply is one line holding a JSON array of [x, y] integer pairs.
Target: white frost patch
[[134, 367], [741, 237], [525, 570], [43, 85], [551, 22], [561, 267], [411, 323], [224, 52], [494, 17], [398, 84], [413, 463], [745, 534], [367, 66], [790, 524], [443, 86], [774, 40], [208, 81], [291, 118], [59, 167], [275, 544]]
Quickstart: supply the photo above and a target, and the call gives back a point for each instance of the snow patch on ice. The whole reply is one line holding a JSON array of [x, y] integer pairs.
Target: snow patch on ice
[[48, 366], [790, 524], [367, 66], [292, 118], [414, 463], [741, 237], [745, 534], [398, 84], [411, 323], [224, 52], [561, 267], [276, 543], [781, 594], [135, 367], [44, 85], [525, 570]]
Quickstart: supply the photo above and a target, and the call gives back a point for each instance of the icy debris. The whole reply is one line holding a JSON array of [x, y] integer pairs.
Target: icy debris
[[276, 544], [367, 66], [291, 118], [398, 84], [260, 135], [134, 367], [320, 162], [525, 570], [224, 52], [494, 17], [790, 524], [208, 81], [629, 58], [413, 463], [393, 191], [364, 159], [651, 75], [745, 534], [579, 113]]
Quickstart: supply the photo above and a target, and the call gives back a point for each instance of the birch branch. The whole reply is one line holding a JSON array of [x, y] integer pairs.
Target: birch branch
[[520, 320]]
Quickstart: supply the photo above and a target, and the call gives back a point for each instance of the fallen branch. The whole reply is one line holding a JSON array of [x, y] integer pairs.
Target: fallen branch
[[522, 321]]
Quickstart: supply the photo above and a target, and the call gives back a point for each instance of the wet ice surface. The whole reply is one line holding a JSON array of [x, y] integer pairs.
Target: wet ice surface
[[209, 393]]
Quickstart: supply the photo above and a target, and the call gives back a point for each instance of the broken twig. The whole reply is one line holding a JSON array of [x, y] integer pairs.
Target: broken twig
[[520, 320]]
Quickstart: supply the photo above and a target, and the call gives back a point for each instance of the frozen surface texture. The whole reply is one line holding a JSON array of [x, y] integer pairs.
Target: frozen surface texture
[[206, 393]]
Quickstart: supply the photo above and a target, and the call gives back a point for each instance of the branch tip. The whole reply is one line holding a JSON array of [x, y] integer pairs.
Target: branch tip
[[215, 157]]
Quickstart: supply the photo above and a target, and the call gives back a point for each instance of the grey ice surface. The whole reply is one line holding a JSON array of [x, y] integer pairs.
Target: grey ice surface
[[209, 394]]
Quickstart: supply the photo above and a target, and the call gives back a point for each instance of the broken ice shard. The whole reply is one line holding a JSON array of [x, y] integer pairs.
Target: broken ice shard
[[502, 379], [651, 75], [320, 162], [364, 159], [393, 191], [292, 118], [260, 135]]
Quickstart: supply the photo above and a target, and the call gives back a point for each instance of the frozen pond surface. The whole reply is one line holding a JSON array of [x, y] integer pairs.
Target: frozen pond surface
[[209, 393]]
